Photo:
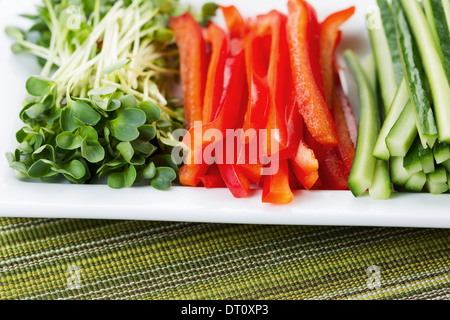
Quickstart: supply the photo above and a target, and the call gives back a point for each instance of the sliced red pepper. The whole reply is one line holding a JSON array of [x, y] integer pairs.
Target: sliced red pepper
[[349, 114], [294, 184], [235, 180], [305, 166], [318, 149], [235, 23], [346, 148], [312, 103], [276, 187], [191, 45], [313, 33], [329, 34], [213, 178], [230, 111], [253, 172], [278, 78], [214, 84], [307, 181], [228, 116], [333, 172], [190, 174], [257, 63], [294, 124], [267, 57]]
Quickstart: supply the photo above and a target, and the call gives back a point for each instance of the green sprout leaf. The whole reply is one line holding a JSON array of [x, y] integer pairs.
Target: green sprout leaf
[[124, 127], [165, 160], [209, 10], [126, 150], [163, 35], [38, 86], [18, 166], [117, 66], [74, 169], [125, 179], [17, 48], [149, 171], [85, 113], [40, 169], [68, 141], [152, 111], [103, 91], [46, 152], [14, 33], [113, 105], [67, 120], [25, 147], [92, 151], [37, 110], [89, 133], [128, 101], [163, 178]]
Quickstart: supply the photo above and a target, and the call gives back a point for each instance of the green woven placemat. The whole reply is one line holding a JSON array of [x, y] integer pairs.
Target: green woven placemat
[[76, 259]]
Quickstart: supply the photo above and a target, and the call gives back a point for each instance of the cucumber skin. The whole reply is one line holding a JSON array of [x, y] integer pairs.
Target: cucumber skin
[[381, 150], [446, 165], [412, 66], [404, 131], [361, 175], [384, 66], [389, 28], [381, 188], [411, 162], [416, 183], [438, 176], [441, 152], [432, 63], [436, 188], [441, 29], [399, 175]]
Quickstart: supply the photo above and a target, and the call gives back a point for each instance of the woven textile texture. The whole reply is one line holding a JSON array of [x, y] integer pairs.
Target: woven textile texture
[[88, 259]]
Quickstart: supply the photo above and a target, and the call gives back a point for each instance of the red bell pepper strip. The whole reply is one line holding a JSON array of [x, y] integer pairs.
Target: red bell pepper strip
[[347, 147], [318, 149], [294, 124], [235, 23], [294, 184], [352, 124], [213, 178], [228, 115], [235, 180], [313, 32], [329, 34], [257, 65], [278, 79], [305, 166], [312, 103], [214, 83], [307, 181], [276, 187], [230, 111], [191, 45], [190, 174], [253, 172], [333, 172]]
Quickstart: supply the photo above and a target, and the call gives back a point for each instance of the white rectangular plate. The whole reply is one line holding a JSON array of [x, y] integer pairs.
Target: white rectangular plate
[[35, 199]]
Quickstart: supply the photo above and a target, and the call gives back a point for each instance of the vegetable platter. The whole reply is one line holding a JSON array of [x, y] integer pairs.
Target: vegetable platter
[[162, 115]]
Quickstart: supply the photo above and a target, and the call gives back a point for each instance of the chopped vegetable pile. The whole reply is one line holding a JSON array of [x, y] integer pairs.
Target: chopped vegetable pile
[[275, 74], [412, 54], [102, 106]]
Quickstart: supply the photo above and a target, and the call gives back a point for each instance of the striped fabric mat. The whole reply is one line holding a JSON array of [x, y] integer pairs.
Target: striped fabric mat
[[75, 259]]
